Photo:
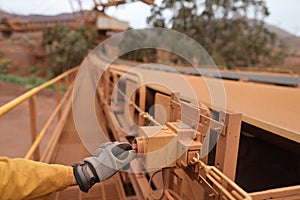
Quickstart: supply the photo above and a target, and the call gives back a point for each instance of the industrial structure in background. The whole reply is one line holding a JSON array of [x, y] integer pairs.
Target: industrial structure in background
[[95, 18]]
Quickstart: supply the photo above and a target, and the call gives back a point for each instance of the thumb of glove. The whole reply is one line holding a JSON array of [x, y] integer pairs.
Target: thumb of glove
[[126, 159]]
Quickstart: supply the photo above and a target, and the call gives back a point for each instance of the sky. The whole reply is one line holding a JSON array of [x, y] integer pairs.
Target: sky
[[285, 14]]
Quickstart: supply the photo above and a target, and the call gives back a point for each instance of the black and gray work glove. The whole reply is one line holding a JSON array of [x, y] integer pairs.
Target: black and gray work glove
[[106, 161]]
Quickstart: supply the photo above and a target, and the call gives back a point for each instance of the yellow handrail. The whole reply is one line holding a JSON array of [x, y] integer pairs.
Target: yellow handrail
[[41, 135], [30, 95], [12, 104]]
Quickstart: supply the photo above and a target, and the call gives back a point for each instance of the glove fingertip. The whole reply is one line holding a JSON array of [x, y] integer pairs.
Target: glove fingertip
[[131, 155]]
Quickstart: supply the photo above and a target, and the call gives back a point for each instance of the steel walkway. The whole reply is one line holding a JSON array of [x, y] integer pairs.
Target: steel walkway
[[70, 150]]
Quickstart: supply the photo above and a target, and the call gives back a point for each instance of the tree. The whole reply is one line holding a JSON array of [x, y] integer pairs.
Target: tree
[[140, 55], [232, 31], [66, 48]]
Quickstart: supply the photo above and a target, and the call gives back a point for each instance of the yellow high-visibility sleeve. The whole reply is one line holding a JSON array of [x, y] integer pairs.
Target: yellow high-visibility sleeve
[[26, 179]]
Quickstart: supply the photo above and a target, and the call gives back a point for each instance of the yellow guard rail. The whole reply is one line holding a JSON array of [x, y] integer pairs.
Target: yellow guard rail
[[67, 78]]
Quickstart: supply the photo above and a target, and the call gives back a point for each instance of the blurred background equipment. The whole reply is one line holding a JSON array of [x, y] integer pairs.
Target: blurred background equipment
[[95, 18]]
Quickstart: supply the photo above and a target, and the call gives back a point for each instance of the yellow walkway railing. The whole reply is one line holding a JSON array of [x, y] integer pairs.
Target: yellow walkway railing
[[64, 102]]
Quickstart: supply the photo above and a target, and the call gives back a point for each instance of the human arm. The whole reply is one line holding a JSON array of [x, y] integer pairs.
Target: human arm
[[26, 179]]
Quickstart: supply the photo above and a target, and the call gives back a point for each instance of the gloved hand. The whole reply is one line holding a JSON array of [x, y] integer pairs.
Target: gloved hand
[[106, 161]]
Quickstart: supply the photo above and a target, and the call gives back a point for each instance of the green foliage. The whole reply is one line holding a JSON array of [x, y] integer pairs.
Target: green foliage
[[26, 41], [32, 69], [23, 81], [144, 41], [140, 55], [27, 82], [233, 32], [4, 65], [66, 48]]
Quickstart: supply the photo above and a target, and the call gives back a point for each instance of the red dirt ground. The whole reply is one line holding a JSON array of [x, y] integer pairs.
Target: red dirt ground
[[15, 135]]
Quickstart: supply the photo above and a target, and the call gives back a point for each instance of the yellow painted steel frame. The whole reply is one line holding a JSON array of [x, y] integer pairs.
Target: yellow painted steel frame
[[67, 78]]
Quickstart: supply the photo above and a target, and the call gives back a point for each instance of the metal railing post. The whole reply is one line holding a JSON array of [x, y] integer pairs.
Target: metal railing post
[[58, 96], [67, 81], [32, 111]]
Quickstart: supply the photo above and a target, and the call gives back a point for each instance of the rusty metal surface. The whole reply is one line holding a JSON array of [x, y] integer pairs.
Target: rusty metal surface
[[266, 78], [269, 107]]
